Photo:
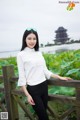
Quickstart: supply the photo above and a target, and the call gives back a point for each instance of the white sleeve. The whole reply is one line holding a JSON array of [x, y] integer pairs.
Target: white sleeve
[[21, 71], [47, 72]]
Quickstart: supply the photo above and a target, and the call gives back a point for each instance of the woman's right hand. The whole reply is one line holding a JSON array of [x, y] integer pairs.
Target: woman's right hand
[[30, 100]]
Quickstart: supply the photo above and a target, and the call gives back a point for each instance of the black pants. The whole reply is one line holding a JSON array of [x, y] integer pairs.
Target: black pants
[[39, 94]]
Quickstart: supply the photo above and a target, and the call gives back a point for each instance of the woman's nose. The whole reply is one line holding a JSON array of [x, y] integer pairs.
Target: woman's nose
[[32, 41]]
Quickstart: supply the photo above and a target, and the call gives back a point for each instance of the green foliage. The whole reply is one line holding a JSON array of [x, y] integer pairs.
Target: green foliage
[[8, 61], [62, 90], [65, 63]]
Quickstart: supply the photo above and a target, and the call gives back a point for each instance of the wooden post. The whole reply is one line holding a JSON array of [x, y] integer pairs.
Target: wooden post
[[12, 107], [78, 103]]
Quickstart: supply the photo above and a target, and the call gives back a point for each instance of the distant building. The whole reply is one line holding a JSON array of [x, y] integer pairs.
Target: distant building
[[61, 36]]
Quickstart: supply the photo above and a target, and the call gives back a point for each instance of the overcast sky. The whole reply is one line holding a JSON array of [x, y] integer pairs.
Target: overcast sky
[[43, 15]]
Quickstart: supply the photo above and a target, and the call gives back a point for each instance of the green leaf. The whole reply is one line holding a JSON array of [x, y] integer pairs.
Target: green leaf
[[72, 71]]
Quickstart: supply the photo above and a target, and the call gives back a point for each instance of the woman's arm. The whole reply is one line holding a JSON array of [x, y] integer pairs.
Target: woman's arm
[[21, 71], [30, 100], [22, 79], [60, 77]]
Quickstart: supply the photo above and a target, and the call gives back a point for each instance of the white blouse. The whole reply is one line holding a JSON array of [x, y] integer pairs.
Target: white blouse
[[31, 67]]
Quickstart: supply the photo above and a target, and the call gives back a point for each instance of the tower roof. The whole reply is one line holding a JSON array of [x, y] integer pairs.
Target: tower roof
[[61, 29]]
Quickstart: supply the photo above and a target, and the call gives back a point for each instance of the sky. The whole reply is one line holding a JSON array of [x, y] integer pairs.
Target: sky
[[46, 16]]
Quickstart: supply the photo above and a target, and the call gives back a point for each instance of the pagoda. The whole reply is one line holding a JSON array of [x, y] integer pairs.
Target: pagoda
[[61, 35]]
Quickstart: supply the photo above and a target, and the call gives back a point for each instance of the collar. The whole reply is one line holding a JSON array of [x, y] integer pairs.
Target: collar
[[29, 49]]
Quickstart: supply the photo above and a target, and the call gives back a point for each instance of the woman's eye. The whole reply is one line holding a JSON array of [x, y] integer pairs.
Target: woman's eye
[[34, 38], [29, 38]]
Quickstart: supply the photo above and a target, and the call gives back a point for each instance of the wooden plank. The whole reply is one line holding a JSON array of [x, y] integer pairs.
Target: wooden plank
[[78, 103], [2, 90], [51, 97], [62, 98], [69, 83], [1, 78], [8, 72], [2, 99], [23, 107], [14, 79], [66, 113], [18, 92], [56, 82], [2, 106], [53, 112]]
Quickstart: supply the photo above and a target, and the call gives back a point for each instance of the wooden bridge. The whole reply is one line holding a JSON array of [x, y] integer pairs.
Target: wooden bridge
[[13, 97]]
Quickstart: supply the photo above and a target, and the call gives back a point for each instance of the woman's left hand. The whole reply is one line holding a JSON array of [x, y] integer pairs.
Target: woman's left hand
[[65, 78]]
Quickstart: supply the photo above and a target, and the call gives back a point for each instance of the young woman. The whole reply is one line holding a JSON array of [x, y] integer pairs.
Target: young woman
[[33, 73]]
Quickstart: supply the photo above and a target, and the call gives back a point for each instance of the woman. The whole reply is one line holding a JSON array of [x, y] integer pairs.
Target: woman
[[33, 73]]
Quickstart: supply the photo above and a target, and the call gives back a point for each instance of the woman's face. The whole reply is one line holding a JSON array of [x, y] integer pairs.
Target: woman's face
[[31, 40]]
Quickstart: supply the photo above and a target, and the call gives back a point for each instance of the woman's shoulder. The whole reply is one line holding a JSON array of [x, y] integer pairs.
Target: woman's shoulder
[[20, 53], [40, 52]]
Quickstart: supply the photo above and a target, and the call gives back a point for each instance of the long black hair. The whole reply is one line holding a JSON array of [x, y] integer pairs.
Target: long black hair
[[26, 33]]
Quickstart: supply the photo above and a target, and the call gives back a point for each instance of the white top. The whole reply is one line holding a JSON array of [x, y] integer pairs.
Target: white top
[[31, 67]]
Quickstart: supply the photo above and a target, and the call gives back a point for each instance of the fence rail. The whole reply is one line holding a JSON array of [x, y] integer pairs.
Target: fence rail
[[12, 96]]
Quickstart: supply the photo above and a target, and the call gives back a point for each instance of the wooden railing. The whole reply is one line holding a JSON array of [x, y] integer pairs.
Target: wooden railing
[[12, 96]]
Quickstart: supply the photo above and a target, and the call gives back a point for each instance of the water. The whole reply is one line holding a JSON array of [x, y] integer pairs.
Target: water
[[8, 54], [51, 49]]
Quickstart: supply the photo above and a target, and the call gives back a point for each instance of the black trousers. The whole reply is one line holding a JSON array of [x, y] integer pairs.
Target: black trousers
[[39, 94]]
